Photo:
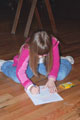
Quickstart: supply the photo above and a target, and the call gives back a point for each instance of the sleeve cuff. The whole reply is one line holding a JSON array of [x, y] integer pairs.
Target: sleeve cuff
[[28, 88], [51, 76]]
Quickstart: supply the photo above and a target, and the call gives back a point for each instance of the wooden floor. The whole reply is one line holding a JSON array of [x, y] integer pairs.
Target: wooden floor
[[14, 102]]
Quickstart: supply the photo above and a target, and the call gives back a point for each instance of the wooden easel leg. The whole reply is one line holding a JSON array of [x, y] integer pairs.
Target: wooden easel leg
[[53, 25], [30, 18], [17, 17], [38, 18]]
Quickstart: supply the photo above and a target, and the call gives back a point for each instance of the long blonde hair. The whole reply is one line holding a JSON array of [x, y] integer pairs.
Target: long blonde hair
[[40, 43]]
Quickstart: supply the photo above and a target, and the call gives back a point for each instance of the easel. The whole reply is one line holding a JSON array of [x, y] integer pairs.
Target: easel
[[31, 13]]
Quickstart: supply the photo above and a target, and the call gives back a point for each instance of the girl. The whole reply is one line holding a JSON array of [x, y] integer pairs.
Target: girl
[[39, 55]]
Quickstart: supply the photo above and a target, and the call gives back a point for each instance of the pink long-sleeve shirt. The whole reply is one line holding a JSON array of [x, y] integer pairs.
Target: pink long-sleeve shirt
[[21, 62]]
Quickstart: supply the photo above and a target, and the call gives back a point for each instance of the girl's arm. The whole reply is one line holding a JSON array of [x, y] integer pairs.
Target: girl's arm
[[22, 67], [56, 60]]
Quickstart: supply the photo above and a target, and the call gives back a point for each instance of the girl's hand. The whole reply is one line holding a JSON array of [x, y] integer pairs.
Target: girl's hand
[[51, 85], [35, 90]]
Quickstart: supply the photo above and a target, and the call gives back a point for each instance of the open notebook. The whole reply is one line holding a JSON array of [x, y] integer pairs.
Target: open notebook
[[44, 97]]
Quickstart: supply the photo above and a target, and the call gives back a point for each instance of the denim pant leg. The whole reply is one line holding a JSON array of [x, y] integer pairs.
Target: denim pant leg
[[41, 69], [10, 71], [29, 72], [65, 68]]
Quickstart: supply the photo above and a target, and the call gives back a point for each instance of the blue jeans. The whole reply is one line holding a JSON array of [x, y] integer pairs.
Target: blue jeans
[[10, 71]]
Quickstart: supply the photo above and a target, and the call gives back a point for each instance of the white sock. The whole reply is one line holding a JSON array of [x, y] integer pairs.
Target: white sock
[[69, 58], [1, 63]]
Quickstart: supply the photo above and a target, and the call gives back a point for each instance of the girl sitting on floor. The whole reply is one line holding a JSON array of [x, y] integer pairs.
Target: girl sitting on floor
[[39, 55]]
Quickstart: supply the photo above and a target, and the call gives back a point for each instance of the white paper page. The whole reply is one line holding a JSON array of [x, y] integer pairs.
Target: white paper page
[[44, 97]]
